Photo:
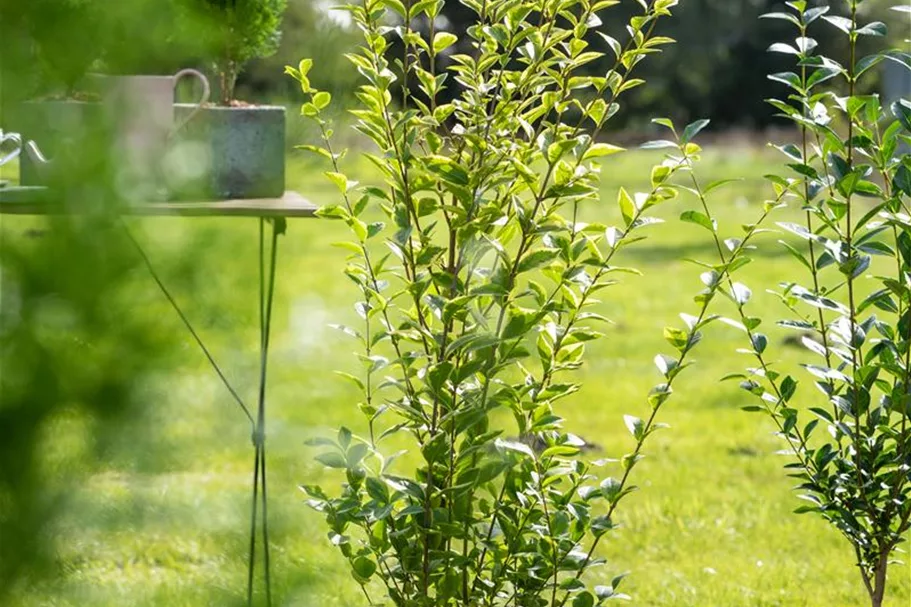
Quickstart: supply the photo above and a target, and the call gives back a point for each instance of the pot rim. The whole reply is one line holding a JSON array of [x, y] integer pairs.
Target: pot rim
[[222, 108]]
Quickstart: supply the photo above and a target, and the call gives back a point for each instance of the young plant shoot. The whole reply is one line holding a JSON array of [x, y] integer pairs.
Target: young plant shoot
[[847, 430], [477, 281]]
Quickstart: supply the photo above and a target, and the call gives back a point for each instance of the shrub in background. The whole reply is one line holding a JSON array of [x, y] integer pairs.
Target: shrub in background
[[849, 439], [308, 30]]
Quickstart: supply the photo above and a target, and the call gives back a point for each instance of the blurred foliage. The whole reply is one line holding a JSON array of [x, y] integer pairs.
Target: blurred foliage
[[719, 67], [65, 39], [76, 350], [309, 30], [148, 36]]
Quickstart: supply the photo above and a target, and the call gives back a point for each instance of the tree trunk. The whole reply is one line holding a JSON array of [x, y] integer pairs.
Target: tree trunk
[[879, 580]]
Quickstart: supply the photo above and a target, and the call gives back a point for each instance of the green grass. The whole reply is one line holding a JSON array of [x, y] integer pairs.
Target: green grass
[[164, 521]]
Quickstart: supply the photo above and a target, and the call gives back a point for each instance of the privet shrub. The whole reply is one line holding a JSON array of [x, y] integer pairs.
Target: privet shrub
[[849, 434], [476, 293]]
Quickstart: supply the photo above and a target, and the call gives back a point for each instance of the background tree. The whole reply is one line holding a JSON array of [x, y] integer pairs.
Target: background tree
[[718, 69]]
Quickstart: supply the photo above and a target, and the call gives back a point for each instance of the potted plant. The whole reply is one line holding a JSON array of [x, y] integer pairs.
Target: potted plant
[[54, 107], [138, 49], [244, 144]]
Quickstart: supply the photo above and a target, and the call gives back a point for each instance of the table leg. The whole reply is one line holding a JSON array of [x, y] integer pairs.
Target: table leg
[[266, 295]]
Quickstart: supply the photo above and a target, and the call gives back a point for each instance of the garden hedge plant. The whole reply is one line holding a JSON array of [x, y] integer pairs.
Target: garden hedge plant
[[241, 30], [846, 429], [477, 280]]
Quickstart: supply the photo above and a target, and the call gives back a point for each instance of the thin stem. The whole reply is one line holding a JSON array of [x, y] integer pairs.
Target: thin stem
[[823, 333], [767, 373], [649, 424]]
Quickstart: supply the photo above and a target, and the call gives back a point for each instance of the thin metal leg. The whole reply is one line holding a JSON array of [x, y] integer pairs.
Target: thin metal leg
[[266, 296], [260, 495], [186, 322]]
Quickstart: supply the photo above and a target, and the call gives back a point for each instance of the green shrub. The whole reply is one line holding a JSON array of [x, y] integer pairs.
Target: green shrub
[[849, 440], [477, 280]]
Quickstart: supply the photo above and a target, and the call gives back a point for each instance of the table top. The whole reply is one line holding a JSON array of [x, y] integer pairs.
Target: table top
[[37, 201]]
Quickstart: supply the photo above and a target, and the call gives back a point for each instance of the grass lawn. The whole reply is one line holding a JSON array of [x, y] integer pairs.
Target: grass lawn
[[164, 520]]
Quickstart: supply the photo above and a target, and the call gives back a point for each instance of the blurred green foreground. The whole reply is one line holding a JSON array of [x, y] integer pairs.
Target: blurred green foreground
[[126, 468]]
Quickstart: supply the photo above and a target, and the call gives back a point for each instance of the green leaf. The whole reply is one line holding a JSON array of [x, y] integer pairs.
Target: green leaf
[[665, 364], [332, 459], [584, 599], [660, 174], [789, 78], [515, 446], [842, 23], [363, 568], [340, 181], [660, 393], [635, 426], [787, 388], [610, 489], [877, 28], [805, 45], [602, 149], [693, 129], [814, 13], [355, 380], [536, 260], [698, 218], [901, 109], [448, 170], [627, 206], [658, 144], [719, 183], [665, 122], [740, 293], [613, 43], [356, 454], [344, 437], [442, 41], [438, 375], [518, 322], [782, 16], [333, 211], [676, 337], [556, 150], [780, 47], [902, 180], [315, 150], [322, 99]]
